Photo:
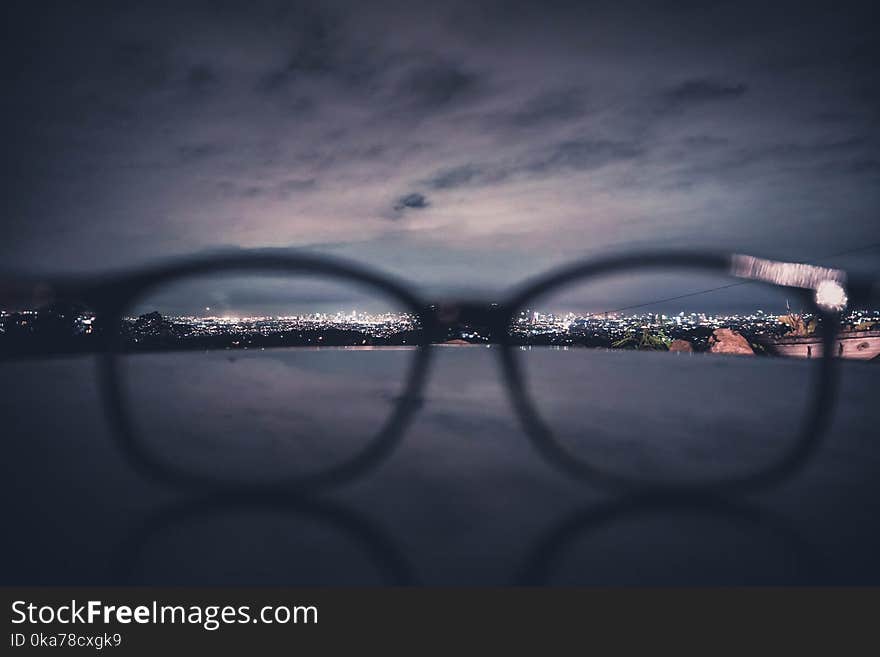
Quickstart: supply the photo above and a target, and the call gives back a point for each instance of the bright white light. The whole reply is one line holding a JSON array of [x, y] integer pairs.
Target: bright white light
[[830, 295]]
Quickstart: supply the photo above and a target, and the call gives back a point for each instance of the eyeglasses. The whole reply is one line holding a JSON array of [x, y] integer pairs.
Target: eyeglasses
[[274, 370]]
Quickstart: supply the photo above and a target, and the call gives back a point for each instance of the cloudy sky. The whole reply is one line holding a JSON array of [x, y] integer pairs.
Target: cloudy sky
[[457, 143]]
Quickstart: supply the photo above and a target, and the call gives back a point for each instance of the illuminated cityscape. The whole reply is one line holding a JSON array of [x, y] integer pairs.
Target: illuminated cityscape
[[375, 325], [340, 328], [759, 332]]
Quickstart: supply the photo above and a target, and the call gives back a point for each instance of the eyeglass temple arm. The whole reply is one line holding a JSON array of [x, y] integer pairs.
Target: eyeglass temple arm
[[790, 274], [860, 292]]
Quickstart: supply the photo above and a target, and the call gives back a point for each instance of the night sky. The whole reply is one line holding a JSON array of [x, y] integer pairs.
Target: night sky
[[457, 143]]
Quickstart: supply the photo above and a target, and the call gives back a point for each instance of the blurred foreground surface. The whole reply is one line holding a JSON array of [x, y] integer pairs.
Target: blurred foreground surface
[[464, 500]]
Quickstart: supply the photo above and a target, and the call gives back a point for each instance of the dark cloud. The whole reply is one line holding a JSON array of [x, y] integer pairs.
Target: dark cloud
[[473, 175], [455, 177], [284, 190], [434, 86], [200, 151], [567, 156], [414, 201], [201, 78], [550, 107], [315, 45], [584, 155], [141, 64], [313, 49], [707, 159], [288, 187], [146, 129], [702, 91], [319, 46]]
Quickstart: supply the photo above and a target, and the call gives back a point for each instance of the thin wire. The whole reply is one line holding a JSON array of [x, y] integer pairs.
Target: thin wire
[[680, 296], [729, 285]]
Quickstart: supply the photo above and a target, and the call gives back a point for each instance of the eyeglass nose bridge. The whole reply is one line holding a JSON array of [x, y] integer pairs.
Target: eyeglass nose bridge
[[481, 320]]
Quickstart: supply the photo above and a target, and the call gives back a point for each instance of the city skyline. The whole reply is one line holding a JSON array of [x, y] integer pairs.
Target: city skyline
[[538, 320]]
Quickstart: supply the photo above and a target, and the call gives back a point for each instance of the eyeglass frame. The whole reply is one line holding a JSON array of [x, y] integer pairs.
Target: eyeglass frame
[[109, 296]]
